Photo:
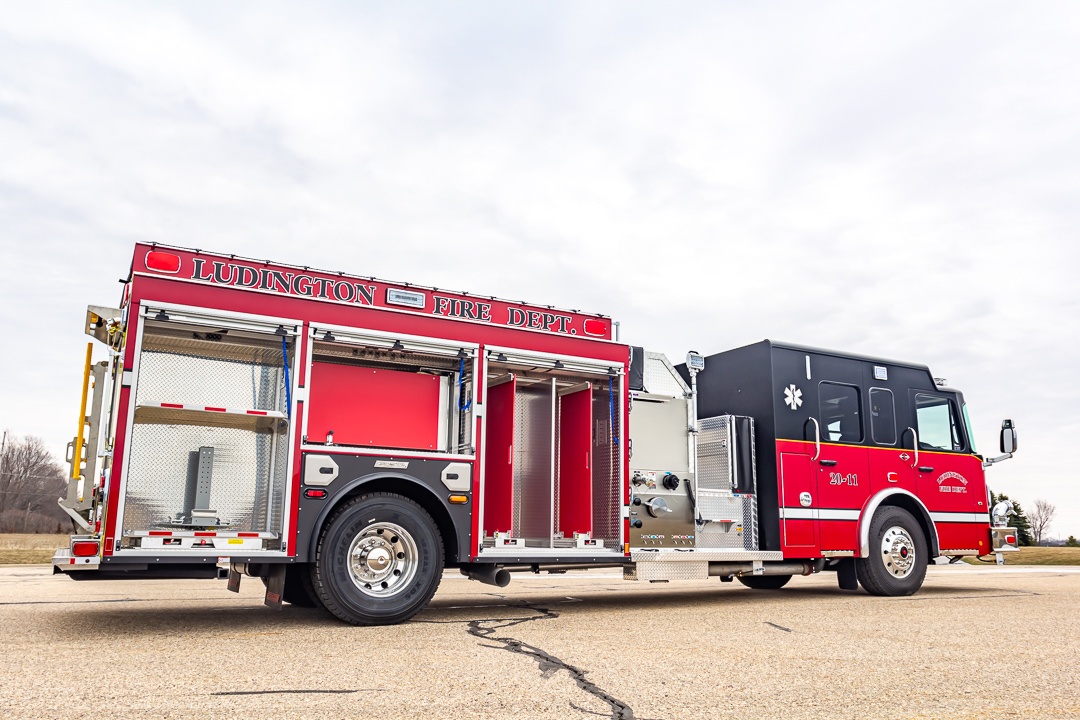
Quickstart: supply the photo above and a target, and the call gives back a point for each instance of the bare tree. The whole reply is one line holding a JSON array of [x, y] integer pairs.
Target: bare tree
[[31, 480], [1040, 518]]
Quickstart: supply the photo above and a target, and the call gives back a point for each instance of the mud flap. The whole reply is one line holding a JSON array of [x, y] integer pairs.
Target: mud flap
[[234, 580], [845, 574], [275, 586]]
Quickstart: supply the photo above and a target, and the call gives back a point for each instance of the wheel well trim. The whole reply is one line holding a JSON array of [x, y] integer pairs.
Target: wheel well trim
[[348, 489], [867, 518]]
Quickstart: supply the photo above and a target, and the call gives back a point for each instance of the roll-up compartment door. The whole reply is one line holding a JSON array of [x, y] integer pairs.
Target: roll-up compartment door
[[375, 407], [575, 462], [499, 459]]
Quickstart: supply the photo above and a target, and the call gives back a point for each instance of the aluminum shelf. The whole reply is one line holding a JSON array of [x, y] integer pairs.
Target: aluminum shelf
[[258, 421]]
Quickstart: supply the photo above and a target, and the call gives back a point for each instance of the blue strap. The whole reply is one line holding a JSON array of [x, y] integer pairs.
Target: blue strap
[[288, 382], [461, 387]]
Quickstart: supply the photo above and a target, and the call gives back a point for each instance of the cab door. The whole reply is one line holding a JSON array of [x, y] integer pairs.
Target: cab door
[[841, 467], [891, 456], [949, 478]]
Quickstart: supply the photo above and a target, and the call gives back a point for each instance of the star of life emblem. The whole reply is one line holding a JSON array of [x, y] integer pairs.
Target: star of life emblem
[[793, 397]]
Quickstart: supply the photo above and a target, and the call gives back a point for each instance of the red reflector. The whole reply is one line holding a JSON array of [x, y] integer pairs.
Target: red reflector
[[160, 533], [313, 493], [162, 261], [210, 409], [256, 412], [206, 534], [1011, 539], [596, 327], [254, 535], [84, 549], [172, 405]]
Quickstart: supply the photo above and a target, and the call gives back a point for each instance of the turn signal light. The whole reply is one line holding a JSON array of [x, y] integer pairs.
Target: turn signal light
[[84, 549], [458, 499], [162, 261]]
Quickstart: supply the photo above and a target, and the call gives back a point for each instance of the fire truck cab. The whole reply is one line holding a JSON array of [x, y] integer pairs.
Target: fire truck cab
[[345, 439], [873, 459]]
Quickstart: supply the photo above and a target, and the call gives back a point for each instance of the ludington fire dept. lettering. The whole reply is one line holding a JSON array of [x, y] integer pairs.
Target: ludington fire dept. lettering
[[538, 320], [952, 487], [341, 289], [223, 273]]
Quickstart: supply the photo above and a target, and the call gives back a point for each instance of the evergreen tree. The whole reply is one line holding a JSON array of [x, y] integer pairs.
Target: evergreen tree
[[1019, 520], [1072, 542]]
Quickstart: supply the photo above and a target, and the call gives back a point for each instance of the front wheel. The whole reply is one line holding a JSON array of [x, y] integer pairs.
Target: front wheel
[[379, 560], [898, 555], [764, 582]]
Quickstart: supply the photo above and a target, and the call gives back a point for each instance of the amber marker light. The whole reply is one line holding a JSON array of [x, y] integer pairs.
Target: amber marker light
[[458, 499]]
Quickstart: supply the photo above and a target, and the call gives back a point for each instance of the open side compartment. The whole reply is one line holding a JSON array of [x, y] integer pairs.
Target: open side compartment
[[552, 472], [208, 452]]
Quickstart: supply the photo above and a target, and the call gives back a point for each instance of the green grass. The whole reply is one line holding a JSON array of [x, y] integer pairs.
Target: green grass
[[20, 549], [1039, 556]]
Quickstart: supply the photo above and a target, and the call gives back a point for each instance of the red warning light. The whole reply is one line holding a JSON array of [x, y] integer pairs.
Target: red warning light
[[162, 262], [595, 327], [84, 549], [1011, 539]]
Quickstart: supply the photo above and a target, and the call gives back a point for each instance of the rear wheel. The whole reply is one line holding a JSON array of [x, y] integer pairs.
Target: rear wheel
[[764, 582], [379, 560], [898, 555]]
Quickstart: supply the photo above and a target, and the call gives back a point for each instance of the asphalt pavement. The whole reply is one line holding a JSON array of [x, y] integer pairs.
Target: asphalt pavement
[[973, 643]]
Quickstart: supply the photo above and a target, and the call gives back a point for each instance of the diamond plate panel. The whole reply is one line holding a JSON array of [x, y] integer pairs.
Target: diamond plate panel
[[725, 528], [533, 444], [661, 570], [750, 526], [715, 449], [248, 483], [209, 381], [660, 377]]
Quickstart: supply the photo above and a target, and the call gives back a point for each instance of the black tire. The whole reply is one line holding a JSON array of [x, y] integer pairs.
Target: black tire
[[898, 555], [764, 582], [379, 560]]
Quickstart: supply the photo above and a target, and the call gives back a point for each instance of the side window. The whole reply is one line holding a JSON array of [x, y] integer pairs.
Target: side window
[[882, 416], [838, 410], [939, 428]]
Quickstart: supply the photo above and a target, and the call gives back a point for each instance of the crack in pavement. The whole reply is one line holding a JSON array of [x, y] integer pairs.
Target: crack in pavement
[[778, 627], [548, 663]]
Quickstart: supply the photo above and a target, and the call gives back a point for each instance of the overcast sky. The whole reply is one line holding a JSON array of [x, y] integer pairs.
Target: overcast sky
[[899, 180]]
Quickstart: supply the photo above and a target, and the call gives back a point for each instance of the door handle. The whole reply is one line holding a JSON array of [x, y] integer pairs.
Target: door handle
[[829, 463], [817, 438], [914, 444], [925, 469]]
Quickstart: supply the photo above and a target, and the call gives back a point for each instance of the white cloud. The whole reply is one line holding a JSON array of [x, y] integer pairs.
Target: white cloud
[[894, 181]]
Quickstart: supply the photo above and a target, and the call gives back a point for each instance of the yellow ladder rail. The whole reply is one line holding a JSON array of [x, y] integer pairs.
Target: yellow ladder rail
[[76, 461]]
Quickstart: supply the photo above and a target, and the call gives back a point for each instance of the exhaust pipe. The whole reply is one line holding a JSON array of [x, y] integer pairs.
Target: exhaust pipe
[[487, 574], [723, 569]]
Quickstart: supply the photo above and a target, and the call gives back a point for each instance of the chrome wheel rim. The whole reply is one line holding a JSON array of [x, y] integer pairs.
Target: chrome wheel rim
[[898, 552], [383, 559]]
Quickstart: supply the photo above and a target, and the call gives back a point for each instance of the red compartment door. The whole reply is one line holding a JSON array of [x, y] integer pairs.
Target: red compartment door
[[499, 458], [575, 463], [374, 407]]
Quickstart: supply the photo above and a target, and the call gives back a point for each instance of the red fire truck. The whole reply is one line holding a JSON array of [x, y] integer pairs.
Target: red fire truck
[[346, 439]]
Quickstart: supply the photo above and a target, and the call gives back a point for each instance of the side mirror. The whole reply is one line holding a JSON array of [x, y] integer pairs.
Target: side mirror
[[1008, 437]]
